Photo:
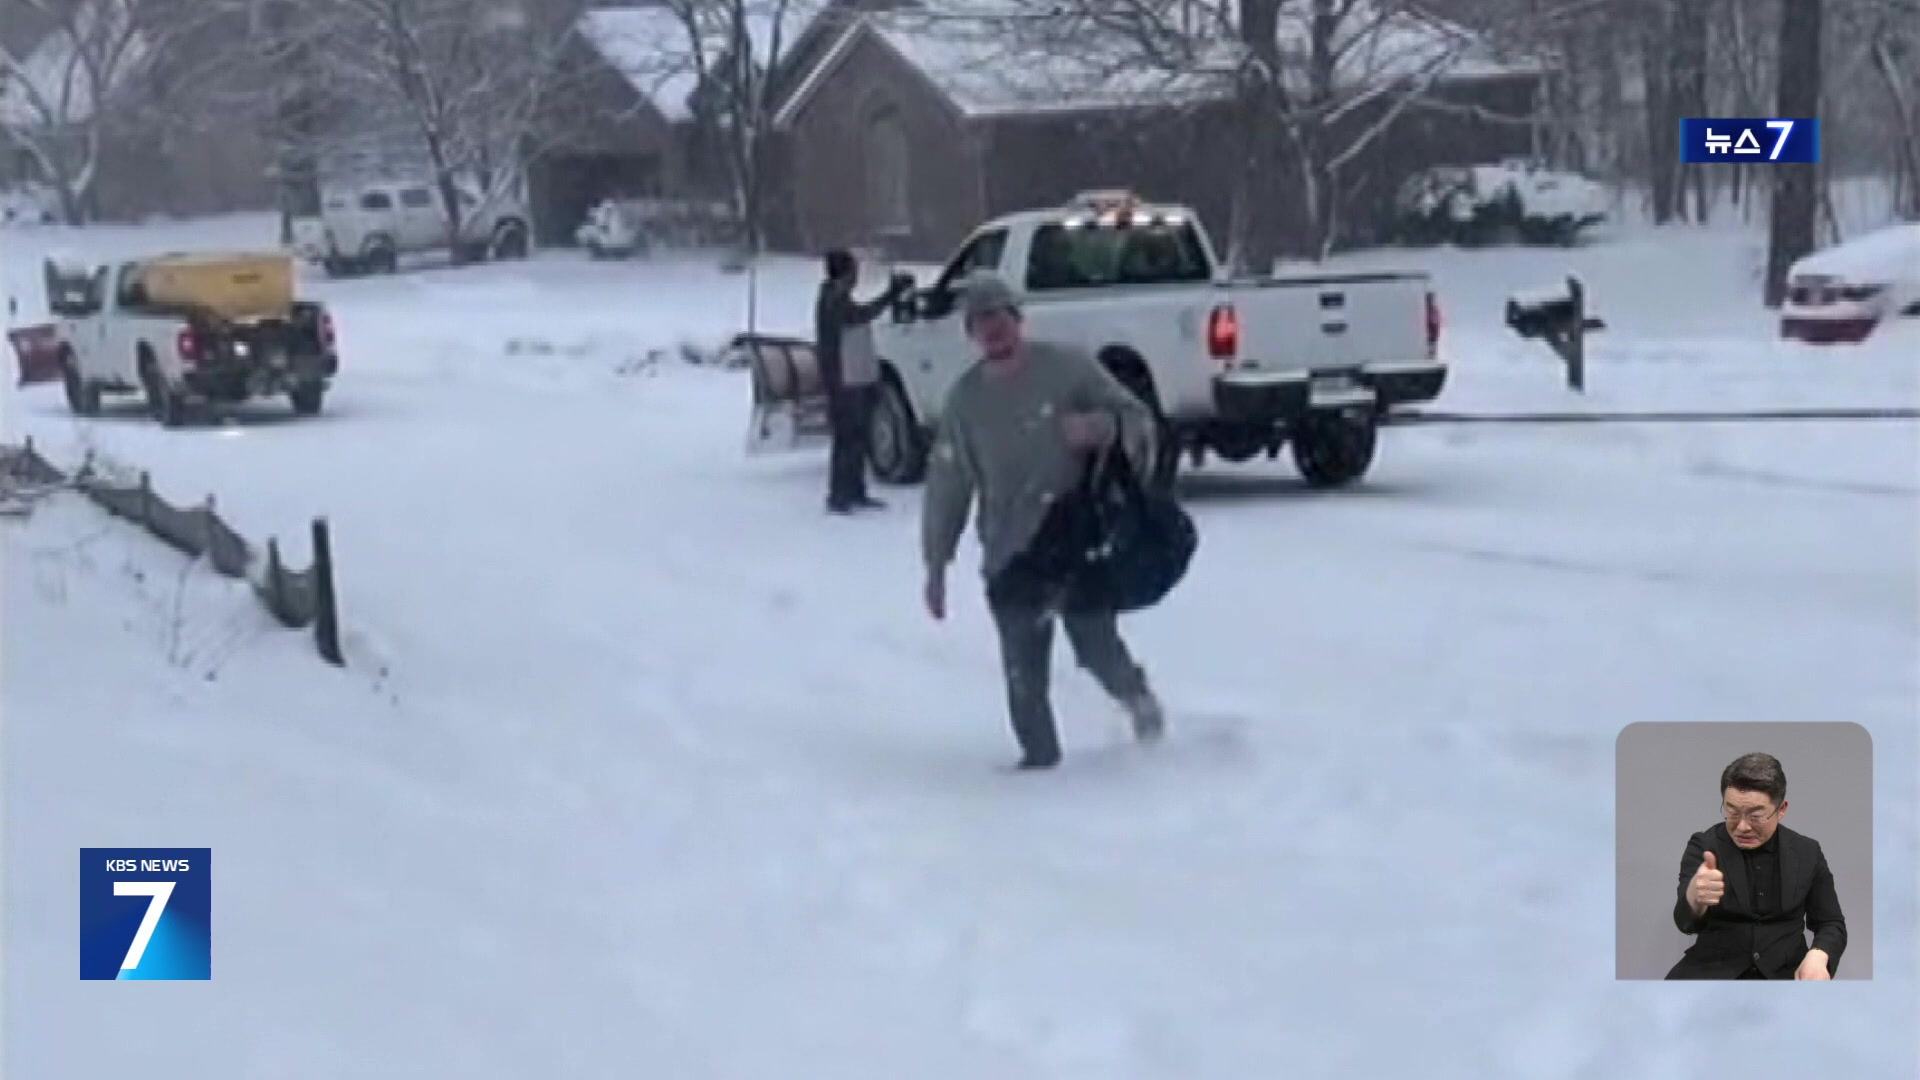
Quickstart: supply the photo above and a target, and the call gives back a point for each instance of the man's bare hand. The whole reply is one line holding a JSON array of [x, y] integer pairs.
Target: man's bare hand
[[935, 594], [1708, 886], [1090, 430], [1814, 967]]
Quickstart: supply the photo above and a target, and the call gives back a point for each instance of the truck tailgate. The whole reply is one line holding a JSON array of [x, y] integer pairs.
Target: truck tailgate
[[1332, 322]]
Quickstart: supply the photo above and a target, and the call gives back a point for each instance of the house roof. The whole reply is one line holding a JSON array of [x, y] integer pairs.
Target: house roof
[[986, 71], [651, 47], [987, 61]]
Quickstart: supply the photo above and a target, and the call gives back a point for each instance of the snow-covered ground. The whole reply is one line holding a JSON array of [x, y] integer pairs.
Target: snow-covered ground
[[641, 766]]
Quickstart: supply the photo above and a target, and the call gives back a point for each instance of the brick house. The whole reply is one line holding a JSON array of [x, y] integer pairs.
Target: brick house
[[624, 125], [902, 132]]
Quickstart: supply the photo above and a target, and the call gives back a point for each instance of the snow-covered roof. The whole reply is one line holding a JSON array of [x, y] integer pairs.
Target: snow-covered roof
[[992, 57], [52, 83], [650, 48], [651, 45], [986, 70]]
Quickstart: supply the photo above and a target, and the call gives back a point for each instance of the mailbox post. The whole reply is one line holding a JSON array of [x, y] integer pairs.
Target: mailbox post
[[1560, 319]]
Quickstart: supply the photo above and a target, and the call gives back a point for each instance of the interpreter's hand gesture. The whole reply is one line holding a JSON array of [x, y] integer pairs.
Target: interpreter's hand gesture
[[1814, 967], [1708, 887]]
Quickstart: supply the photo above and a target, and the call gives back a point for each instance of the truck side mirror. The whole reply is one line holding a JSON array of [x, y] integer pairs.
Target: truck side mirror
[[936, 303], [905, 297]]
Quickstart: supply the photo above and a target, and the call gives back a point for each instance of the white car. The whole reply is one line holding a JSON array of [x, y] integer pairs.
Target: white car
[[369, 227], [611, 231], [1233, 368], [1842, 294]]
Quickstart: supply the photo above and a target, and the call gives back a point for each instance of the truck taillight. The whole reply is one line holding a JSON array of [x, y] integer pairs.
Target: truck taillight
[[1223, 333], [326, 330], [1433, 327], [187, 344]]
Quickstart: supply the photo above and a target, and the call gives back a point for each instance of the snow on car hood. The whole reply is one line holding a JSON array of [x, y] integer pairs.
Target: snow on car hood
[[1890, 254]]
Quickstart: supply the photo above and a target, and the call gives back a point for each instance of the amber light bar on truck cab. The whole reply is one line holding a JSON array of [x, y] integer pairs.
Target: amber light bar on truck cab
[[1118, 209], [1121, 219]]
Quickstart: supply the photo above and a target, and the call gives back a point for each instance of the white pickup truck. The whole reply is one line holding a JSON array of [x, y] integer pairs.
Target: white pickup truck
[[1232, 368], [110, 336]]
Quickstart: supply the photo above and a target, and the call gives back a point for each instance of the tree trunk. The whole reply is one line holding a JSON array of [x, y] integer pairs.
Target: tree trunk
[[1253, 241], [1662, 124], [1687, 59], [1322, 53], [1907, 181], [1613, 110], [1795, 186]]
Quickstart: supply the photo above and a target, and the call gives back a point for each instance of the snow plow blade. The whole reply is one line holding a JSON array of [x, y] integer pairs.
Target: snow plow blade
[[789, 397], [38, 350]]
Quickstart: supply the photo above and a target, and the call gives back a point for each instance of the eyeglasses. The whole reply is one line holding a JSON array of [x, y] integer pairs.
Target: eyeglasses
[[1752, 817]]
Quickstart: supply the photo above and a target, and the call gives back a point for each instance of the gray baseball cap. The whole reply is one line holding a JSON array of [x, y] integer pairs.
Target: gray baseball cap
[[984, 293]]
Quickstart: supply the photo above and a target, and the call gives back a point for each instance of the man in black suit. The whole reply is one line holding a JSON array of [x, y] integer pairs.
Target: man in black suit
[[1750, 887]]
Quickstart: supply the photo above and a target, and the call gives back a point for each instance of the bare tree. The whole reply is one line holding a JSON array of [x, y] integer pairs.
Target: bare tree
[[469, 80], [1896, 59], [1313, 85], [1795, 186], [60, 95], [1746, 63], [1674, 63], [735, 50]]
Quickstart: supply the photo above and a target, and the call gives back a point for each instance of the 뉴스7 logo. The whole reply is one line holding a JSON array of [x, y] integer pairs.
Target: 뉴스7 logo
[[159, 892]]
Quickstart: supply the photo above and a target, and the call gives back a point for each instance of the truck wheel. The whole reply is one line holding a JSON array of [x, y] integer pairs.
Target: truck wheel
[[1334, 449], [307, 398], [510, 240], [380, 256], [896, 446], [83, 397], [164, 403]]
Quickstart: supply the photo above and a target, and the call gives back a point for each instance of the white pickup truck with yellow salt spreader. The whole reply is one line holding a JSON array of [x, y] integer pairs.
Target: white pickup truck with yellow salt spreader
[[185, 330]]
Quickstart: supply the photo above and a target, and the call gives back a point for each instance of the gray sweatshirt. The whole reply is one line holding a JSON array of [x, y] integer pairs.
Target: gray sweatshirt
[[1001, 442]]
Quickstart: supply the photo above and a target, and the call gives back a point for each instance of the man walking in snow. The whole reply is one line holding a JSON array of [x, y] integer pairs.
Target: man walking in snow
[[843, 340], [1018, 433]]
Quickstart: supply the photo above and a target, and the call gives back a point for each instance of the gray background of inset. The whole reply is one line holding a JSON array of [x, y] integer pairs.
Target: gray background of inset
[[1665, 790]]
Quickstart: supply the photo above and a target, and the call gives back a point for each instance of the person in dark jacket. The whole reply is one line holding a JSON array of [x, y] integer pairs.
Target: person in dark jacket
[[850, 367], [1750, 888]]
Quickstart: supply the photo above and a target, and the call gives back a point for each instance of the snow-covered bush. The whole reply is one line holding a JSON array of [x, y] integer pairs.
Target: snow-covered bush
[[1506, 203]]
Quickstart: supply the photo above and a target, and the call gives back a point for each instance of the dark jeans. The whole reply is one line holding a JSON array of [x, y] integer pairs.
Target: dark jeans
[[1026, 652], [850, 414]]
